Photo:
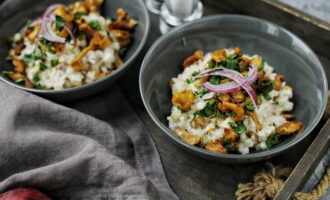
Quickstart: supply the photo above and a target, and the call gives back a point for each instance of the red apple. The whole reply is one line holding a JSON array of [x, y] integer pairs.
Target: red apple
[[23, 194]]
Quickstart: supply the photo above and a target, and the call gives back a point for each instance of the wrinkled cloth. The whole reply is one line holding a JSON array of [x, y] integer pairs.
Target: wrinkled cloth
[[71, 155]]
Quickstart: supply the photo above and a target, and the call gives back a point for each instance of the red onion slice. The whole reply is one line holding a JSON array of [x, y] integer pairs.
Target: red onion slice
[[70, 32], [47, 32], [241, 82], [222, 88], [49, 11]]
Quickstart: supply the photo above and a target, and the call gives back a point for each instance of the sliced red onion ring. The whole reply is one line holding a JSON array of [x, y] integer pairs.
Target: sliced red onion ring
[[50, 10], [46, 22], [240, 82], [70, 32], [47, 32]]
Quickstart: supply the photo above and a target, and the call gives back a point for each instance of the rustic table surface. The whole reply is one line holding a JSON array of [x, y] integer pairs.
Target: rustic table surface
[[195, 178], [190, 176]]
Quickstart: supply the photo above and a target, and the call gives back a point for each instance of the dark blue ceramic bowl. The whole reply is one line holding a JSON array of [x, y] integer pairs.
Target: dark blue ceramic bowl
[[283, 50], [15, 13]]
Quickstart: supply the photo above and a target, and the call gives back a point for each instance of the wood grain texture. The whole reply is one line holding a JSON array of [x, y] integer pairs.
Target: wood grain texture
[[315, 32], [192, 177], [306, 165]]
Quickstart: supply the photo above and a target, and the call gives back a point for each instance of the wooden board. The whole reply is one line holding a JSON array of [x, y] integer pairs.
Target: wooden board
[[190, 176]]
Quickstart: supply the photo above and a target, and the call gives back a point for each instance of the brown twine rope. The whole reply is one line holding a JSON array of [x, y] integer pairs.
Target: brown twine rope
[[267, 183]]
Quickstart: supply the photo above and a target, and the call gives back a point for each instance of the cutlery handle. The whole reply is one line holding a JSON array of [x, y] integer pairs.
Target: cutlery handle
[[306, 165]]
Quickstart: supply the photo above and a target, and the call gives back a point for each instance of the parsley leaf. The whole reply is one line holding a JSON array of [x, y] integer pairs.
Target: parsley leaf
[[215, 80], [7, 72], [211, 64], [231, 64], [20, 81], [273, 140], [228, 146], [210, 110], [249, 107], [59, 22], [122, 51], [36, 77], [78, 15], [40, 87], [195, 73], [43, 67], [262, 65], [54, 62], [238, 127], [28, 58], [201, 93], [95, 25]]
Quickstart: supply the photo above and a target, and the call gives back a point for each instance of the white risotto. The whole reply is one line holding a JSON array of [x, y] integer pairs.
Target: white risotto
[[229, 122], [79, 47]]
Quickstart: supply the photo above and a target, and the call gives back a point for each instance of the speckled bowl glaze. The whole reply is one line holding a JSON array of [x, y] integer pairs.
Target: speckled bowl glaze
[[15, 13], [280, 48]]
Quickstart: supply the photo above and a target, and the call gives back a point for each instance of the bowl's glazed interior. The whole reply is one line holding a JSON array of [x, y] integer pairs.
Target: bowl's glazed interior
[[279, 48], [14, 14]]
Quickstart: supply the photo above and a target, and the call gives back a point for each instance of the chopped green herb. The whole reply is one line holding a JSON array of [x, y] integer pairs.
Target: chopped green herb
[[59, 22], [205, 134], [53, 63], [7, 72], [45, 42], [233, 114], [215, 80], [40, 87], [238, 127], [247, 100], [95, 25], [249, 107], [231, 64], [232, 56], [276, 103], [265, 88], [211, 64], [201, 93], [20, 81], [273, 140], [36, 77], [210, 110], [259, 97], [78, 15], [228, 146], [184, 41], [28, 58], [262, 65], [9, 58], [43, 67], [122, 51], [195, 73], [189, 80]]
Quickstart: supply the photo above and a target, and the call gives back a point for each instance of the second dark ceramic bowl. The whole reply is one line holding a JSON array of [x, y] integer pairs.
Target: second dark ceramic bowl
[[281, 49], [15, 14]]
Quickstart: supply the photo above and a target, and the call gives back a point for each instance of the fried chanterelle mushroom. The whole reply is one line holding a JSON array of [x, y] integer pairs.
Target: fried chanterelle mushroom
[[70, 45], [227, 102]]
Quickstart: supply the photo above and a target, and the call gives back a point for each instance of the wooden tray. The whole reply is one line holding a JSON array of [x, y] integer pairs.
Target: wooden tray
[[195, 178]]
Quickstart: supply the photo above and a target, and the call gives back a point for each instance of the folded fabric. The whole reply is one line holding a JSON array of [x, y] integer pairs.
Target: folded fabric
[[71, 155]]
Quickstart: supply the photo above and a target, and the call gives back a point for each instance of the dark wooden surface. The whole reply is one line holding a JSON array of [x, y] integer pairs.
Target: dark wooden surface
[[190, 176], [307, 164]]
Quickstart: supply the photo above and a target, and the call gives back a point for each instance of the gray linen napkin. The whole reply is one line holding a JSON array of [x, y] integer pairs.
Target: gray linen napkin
[[71, 155]]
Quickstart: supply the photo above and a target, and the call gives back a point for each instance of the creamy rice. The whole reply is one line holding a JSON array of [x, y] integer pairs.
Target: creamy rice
[[269, 112]]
